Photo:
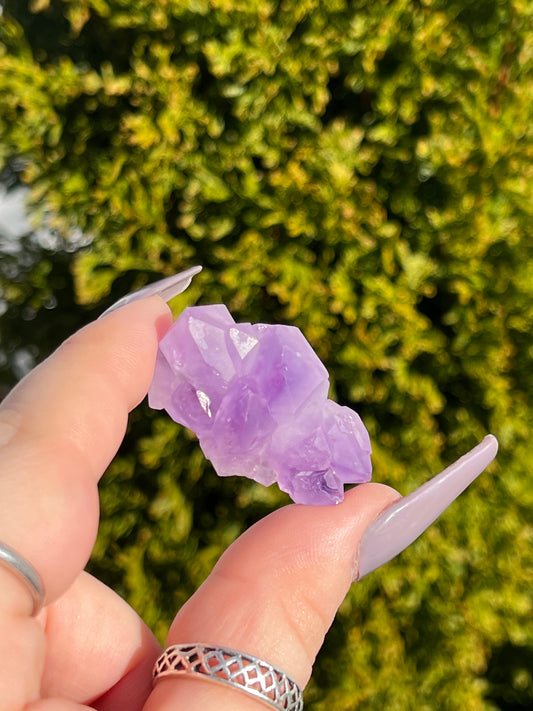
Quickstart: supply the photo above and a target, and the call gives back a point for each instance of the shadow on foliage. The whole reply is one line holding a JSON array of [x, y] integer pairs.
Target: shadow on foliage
[[510, 677]]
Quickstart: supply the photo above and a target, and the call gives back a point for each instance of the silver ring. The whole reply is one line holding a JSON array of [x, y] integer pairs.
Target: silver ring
[[26, 573], [228, 666]]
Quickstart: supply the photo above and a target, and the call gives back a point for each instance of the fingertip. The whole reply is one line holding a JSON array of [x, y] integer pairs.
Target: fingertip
[[372, 497], [275, 592], [151, 307], [120, 347]]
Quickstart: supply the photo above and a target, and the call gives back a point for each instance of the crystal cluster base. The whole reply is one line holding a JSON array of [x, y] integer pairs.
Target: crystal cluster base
[[257, 398]]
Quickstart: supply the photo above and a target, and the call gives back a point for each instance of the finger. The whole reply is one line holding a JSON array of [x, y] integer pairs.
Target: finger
[[98, 648], [56, 705], [274, 595], [61, 426], [58, 430]]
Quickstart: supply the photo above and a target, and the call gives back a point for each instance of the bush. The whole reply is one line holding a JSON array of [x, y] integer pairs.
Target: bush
[[359, 169]]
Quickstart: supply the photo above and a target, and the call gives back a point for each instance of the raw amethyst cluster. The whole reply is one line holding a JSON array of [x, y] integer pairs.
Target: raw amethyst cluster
[[257, 398]]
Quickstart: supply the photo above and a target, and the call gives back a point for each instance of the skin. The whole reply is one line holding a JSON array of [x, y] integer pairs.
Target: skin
[[274, 593]]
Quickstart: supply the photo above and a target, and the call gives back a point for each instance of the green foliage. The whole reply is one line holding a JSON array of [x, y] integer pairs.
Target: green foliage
[[362, 170]]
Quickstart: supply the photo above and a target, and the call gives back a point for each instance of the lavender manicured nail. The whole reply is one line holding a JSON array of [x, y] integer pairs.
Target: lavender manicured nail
[[404, 521], [166, 288]]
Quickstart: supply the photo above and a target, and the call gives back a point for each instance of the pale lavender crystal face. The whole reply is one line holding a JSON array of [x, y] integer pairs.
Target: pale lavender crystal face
[[257, 398]]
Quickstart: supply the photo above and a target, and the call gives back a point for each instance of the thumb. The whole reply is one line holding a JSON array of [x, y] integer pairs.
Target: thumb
[[273, 594]]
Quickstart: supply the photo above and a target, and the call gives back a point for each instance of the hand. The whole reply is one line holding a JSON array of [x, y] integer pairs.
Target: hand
[[273, 594]]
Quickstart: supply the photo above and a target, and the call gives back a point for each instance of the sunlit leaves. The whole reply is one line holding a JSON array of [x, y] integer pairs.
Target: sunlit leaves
[[364, 171]]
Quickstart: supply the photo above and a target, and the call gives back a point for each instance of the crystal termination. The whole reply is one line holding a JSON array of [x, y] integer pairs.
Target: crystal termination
[[256, 396]]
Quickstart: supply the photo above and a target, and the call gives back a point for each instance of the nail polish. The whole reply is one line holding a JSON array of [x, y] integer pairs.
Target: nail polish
[[405, 520], [166, 288]]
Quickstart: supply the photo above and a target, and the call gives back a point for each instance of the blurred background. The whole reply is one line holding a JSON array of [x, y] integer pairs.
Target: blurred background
[[362, 170]]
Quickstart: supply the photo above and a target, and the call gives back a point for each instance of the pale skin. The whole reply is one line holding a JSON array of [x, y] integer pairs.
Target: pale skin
[[273, 594]]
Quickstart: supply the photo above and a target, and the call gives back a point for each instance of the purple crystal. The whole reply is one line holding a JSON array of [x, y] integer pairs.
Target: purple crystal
[[257, 398]]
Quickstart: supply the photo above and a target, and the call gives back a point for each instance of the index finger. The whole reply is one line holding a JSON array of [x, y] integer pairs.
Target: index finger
[[59, 429]]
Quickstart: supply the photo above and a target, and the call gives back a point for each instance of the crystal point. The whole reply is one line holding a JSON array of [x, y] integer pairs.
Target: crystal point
[[257, 398]]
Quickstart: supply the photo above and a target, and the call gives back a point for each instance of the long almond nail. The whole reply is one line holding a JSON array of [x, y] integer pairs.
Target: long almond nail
[[166, 288], [405, 520]]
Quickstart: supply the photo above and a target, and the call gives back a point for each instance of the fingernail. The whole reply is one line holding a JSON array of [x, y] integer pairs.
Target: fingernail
[[405, 520], [166, 288]]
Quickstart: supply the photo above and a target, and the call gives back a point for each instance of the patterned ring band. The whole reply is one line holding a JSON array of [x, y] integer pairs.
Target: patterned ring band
[[26, 573], [228, 666]]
